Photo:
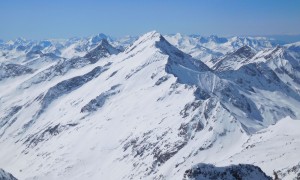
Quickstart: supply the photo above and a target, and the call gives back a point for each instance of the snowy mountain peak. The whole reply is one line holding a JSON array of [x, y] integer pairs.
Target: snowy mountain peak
[[97, 38], [104, 49], [234, 60], [245, 52], [147, 40], [152, 35]]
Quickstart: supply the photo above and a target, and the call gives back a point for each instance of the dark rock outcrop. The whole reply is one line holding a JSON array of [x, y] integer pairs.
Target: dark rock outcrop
[[6, 176], [232, 172], [13, 70]]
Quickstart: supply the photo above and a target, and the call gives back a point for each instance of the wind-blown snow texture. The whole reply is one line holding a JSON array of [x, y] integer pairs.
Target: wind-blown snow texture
[[140, 108]]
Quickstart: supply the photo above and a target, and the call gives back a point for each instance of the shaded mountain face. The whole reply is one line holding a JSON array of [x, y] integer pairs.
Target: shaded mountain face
[[149, 111]]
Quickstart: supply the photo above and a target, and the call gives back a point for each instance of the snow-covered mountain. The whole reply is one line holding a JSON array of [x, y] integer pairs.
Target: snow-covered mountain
[[148, 110], [66, 48], [211, 47]]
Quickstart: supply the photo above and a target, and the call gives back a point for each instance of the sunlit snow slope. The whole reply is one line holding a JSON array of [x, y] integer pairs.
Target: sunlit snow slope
[[147, 111]]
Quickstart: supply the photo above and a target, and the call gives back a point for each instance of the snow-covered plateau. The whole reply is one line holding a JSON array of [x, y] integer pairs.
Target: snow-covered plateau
[[150, 107]]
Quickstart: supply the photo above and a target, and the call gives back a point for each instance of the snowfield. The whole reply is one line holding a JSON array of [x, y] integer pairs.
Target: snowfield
[[152, 107]]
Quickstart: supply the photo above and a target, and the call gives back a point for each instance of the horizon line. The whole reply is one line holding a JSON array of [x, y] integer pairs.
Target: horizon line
[[164, 34]]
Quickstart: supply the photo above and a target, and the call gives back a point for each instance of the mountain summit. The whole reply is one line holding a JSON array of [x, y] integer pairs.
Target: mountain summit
[[104, 49]]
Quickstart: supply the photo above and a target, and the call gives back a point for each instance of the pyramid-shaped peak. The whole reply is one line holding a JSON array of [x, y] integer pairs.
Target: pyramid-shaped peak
[[245, 51], [104, 49], [146, 40], [97, 38], [236, 59]]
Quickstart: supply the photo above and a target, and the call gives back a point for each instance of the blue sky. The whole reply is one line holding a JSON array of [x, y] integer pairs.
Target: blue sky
[[37, 19]]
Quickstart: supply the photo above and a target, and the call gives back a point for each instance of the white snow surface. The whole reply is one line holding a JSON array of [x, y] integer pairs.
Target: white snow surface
[[278, 144], [149, 112]]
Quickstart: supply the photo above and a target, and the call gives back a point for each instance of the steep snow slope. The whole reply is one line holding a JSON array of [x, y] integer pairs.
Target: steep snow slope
[[268, 78], [137, 83], [150, 112], [274, 148]]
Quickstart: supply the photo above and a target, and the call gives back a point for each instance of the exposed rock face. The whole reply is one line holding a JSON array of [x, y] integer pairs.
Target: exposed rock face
[[104, 49], [6, 176], [69, 85], [289, 173], [100, 100], [13, 70], [62, 88], [233, 172]]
